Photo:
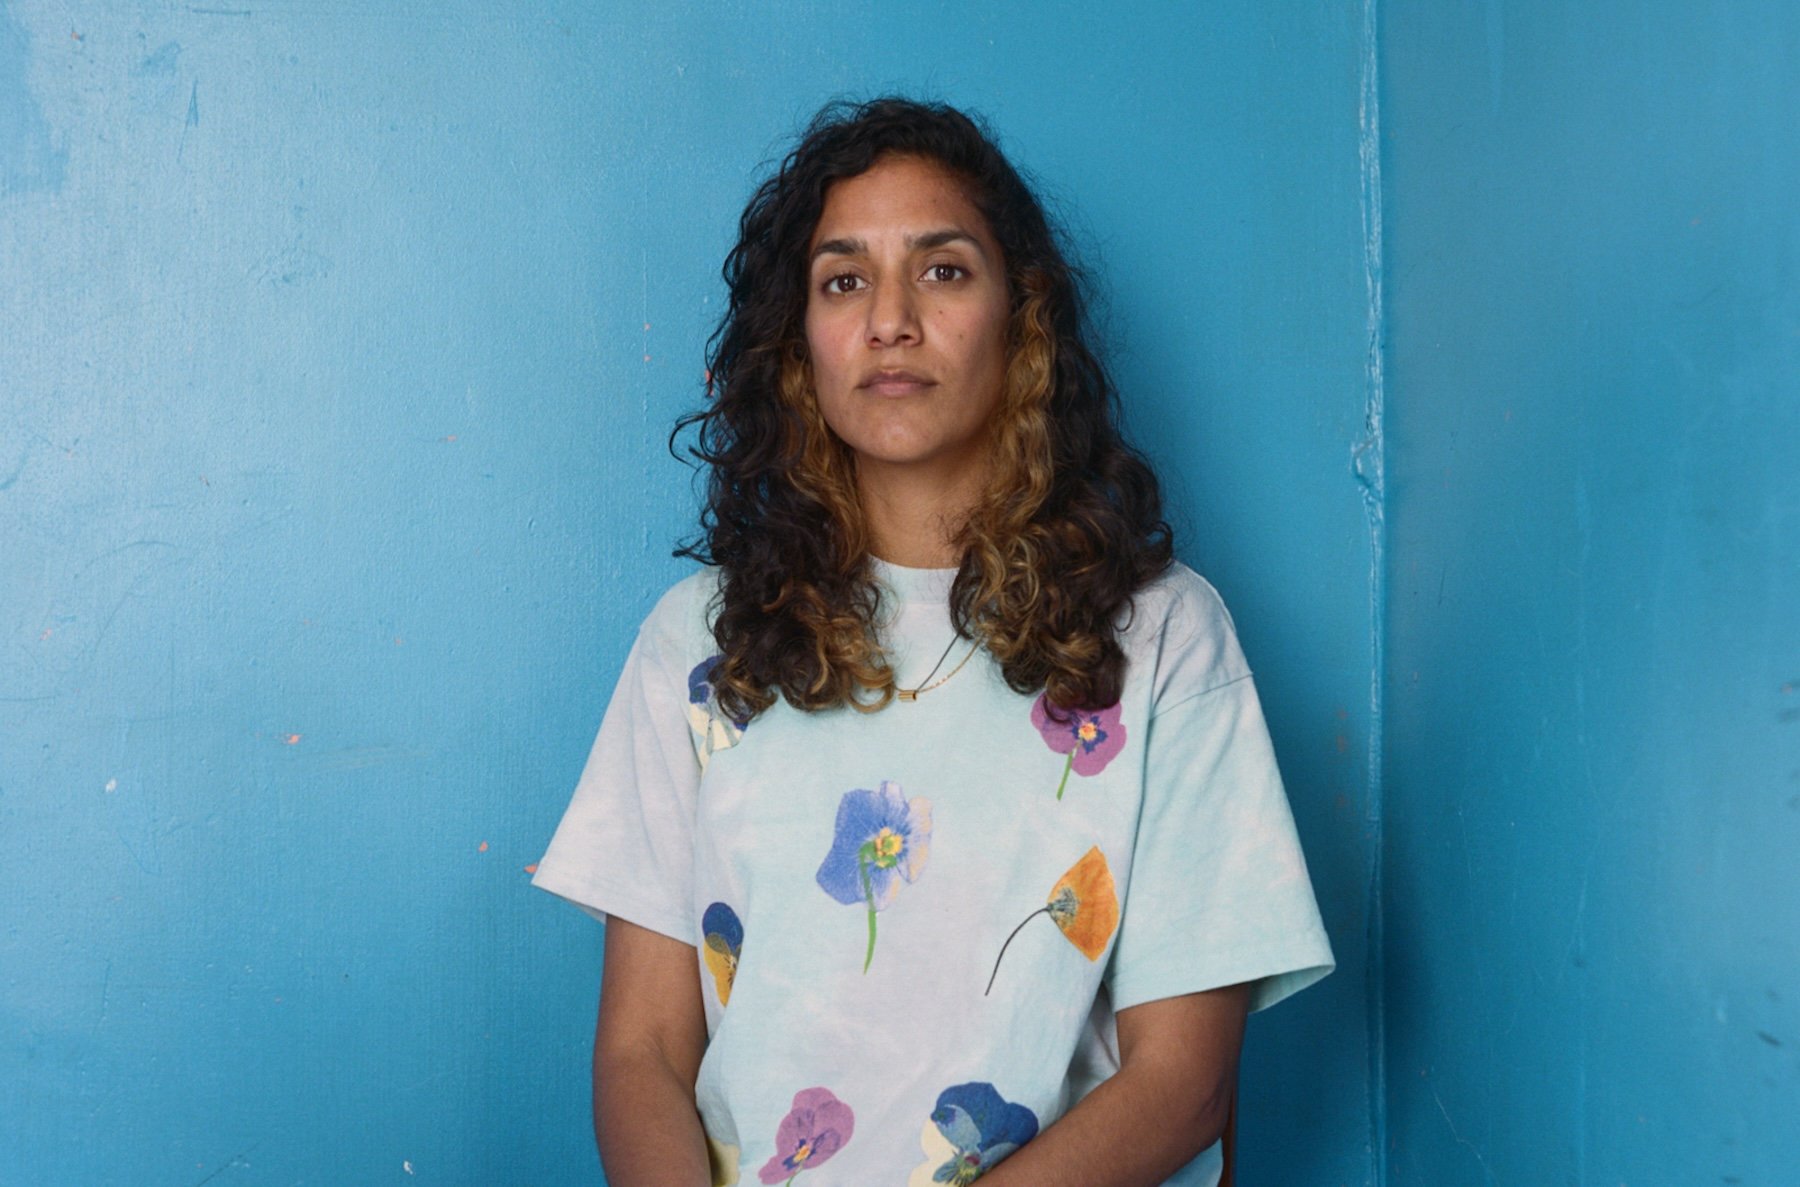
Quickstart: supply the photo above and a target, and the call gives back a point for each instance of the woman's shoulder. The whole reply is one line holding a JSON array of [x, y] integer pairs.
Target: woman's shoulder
[[679, 624], [1179, 634], [1178, 602]]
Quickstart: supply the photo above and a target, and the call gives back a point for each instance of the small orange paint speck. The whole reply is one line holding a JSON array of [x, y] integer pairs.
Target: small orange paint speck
[[532, 868], [399, 642], [646, 358], [48, 631], [292, 739], [646, 325], [481, 848], [74, 36], [448, 439]]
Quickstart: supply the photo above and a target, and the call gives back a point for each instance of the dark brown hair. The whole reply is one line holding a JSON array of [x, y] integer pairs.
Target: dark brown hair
[[1071, 523]]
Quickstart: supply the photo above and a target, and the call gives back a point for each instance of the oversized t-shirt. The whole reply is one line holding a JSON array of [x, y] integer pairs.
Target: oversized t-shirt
[[913, 927]]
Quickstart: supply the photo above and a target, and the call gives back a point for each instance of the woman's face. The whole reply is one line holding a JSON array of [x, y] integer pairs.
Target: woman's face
[[906, 319]]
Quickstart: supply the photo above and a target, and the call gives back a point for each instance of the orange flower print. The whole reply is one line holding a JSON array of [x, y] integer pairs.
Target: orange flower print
[[1084, 905]]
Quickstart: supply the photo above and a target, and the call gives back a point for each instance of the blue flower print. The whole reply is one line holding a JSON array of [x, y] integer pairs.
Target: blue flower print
[[700, 688], [972, 1129], [713, 731], [881, 839]]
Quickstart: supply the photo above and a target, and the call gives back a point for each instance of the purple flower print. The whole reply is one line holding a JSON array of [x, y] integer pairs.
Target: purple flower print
[[881, 839], [1090, 737], [818, 1126]]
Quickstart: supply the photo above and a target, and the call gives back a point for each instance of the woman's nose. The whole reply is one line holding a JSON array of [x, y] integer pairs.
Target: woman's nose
[[893, 315]]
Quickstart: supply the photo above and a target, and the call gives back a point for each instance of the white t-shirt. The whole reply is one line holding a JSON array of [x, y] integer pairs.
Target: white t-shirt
[[849, 881]]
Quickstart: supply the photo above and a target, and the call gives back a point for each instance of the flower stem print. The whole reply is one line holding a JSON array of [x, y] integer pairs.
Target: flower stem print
[[862, 868], [816, 1127], [880, 840], [1008, 944], [1084, 906], [1089, 738]]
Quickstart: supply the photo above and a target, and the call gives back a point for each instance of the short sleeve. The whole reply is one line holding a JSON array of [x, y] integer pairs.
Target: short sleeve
[[1218, 891], [625, 844]]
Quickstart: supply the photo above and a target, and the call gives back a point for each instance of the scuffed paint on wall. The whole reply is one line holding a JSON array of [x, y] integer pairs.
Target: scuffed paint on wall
[[30, 159]]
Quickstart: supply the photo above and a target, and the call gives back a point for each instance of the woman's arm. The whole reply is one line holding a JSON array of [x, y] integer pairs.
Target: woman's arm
[[1169, 1101], [647, 1047]]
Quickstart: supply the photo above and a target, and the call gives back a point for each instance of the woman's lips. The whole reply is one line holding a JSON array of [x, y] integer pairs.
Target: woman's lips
[[896, 383]]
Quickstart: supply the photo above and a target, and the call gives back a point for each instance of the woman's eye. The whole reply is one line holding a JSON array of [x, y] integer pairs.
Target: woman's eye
[[946, 272], [844, 282]]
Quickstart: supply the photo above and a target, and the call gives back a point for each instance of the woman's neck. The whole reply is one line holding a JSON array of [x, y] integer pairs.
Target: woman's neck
[[913, 517]]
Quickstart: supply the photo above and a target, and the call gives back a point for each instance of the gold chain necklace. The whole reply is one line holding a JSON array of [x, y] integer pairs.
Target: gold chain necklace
[[912, 694]]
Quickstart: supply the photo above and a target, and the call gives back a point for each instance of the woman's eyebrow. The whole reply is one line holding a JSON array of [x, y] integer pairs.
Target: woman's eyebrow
[[841, 247], [921, 242], [931, 239]]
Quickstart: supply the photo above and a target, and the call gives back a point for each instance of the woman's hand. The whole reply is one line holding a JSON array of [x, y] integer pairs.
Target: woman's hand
[[1170, 1099], [647, 1047]]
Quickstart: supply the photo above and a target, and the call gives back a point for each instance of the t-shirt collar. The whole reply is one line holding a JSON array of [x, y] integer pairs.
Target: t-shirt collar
[[910, 585]]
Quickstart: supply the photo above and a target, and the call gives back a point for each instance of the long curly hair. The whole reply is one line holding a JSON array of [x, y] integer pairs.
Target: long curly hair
[[1069, 526]]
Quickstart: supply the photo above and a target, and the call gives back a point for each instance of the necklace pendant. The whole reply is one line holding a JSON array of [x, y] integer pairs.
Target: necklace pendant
[[908, 694]]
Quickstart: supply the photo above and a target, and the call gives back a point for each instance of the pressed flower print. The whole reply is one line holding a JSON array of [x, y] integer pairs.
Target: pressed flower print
[[724, 940], [818, 1126], [1084, 906], [713, 731], [881, 839], [1090, 738], [970, 1131], [723, 1160]]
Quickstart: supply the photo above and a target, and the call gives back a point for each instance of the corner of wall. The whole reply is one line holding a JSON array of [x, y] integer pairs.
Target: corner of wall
[[1368, 465]]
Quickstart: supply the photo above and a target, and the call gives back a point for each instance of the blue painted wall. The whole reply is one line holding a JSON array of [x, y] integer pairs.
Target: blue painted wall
[[337, 347], [1593, 686]]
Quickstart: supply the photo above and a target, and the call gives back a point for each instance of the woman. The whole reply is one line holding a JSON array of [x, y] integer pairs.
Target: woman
[[940, 677]]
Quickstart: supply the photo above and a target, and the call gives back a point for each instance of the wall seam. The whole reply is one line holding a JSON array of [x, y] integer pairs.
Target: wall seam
[[1369, 465]]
